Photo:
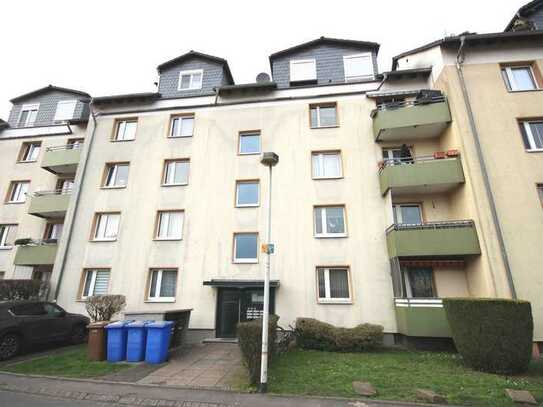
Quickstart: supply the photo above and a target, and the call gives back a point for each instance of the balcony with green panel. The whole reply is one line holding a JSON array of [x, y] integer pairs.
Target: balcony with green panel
[[32, 252], [420, 175], [50, 204], [421, 317], [411, 120], [62, 160], [433, 239]]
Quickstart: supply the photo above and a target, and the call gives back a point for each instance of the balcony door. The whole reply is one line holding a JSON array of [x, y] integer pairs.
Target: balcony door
[[407, 214], [418, 282]]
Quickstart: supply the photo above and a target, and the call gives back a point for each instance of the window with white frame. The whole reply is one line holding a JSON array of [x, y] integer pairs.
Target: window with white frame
[[176, 172], [246, 248], [326, 164], [302, 70], [532, 134], [28, 115], [30, 152], [540, 192], [190, 80], [357, 67], [65, 186], [392, 155], [407, 214], [162, 285], [323, 115], [116, 175], [519, 78], [333, 285], [330, 221], [53, 230], [106, 226], [18, 191], [182, 126], [170, 225], [125, 130], [7, 236], [249, 143], [96, 282], [65, 110], [247, 193]]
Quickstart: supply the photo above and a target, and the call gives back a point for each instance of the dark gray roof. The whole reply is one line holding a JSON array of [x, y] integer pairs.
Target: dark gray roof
[[473, 38], [127, 98], [325, 40], [191, 54], [47, 89], [3, 124], [248, 87], [525, 11]]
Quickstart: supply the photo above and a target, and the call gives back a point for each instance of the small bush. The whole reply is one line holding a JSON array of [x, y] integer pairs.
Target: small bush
[[314, 334], [492, 335], [16, 290], [250, 343], [104, 307]]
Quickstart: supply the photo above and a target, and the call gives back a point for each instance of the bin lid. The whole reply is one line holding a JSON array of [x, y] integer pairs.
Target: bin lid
[[160, 324], [118, 324], [98, 324], [139, 324]]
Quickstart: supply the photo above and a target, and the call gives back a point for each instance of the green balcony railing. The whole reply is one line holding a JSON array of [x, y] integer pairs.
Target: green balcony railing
[[62, 160], [36, 253], [422, 317], [420, 174], [411, 120], [50, 204], [448, 238]]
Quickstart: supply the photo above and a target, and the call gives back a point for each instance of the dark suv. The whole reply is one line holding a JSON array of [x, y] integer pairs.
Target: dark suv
[[36, 322]]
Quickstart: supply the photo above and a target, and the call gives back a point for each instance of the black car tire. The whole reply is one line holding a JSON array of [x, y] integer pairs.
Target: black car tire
[[79, 334], [10, 345]]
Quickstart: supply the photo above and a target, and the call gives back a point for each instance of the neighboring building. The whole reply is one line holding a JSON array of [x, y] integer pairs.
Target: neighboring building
[[528, 18], [40, 153]]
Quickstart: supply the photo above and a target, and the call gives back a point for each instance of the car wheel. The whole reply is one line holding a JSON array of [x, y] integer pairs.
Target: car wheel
[[79, 334], [9, 346]]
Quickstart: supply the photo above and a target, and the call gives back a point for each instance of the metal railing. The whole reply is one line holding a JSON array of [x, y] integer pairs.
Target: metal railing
[[447, 224], [62, 191], [411, 103], [35, 242], [418, 302], [75, 146], [392, 162]]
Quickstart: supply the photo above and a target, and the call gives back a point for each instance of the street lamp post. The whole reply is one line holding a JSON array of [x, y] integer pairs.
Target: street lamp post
[[269, 160]]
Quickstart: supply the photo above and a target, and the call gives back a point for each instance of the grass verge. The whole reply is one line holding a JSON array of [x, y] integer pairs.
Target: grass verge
[[396, 375]]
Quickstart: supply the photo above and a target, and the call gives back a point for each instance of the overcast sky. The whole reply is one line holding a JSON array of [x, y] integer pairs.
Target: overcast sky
[[107, 47]]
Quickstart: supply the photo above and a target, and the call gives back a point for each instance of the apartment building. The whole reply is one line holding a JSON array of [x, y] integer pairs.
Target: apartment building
[[40, 144]]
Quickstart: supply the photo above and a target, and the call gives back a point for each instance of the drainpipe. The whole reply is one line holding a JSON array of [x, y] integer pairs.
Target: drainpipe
[[488, 189], [76, 202]]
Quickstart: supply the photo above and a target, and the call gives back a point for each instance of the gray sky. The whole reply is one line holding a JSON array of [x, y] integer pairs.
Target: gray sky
[[107, 47]]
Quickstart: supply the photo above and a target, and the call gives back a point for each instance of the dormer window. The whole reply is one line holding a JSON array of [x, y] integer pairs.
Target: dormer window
[[358, 67], [65, 110], [28, 115], [303, 70], [190, 80]]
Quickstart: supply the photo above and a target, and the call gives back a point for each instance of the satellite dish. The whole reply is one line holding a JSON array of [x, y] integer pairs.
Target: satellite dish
[[262, 77]]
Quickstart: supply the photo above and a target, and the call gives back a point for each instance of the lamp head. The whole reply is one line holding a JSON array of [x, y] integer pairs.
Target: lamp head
[[269, 159]]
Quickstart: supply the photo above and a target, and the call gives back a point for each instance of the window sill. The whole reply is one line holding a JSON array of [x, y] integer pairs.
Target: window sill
[[159, 300], [114, 187], [525, 91], [27, 162], [248, 206], [251, 261], [14, 202], [103, 240], [325, 178], [174, 185], [122, 141], [6, 247], [339, 235], [250, 153], [176, 239], [188, 89], [325, 127], [335, 302], [535, 150], [174, 137]]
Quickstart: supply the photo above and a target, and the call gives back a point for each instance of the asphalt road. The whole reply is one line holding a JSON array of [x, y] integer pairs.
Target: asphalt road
[[28, 400]]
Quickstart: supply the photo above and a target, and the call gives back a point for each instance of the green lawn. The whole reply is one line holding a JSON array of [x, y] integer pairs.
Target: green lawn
[[396, 375], [72, 363]]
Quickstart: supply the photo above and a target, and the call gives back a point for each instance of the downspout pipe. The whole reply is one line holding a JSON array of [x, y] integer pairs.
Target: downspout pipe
[[76, 198], [460, 57]]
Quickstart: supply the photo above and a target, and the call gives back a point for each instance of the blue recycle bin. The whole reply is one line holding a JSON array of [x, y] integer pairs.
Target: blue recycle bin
[[158, 341], [116, 341], [136, 340]]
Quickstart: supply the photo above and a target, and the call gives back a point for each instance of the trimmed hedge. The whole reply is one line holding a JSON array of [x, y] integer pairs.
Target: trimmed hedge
[[314, 334], [492, 335], [250, 343], [17, 290]]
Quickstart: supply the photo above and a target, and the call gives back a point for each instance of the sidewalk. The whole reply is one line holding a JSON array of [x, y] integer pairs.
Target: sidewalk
[[164, 396]]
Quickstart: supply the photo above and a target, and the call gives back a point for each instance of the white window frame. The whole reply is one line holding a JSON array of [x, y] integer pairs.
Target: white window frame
[[327, 299], [15, 191], [296, 78], [511, 78], [530, 135], [69, 112], [181, 117], [325, 233], [179, 236], [251, 205], [4, 236], [30, 148], [157, 297], [250, 134], [118, 125], [318, 107], [98, 226], [245, 260], [191, 72], [28, 108], [167, 175], [115, 168], [398, 213], [53, 230], [319, 156], [92, 283], [351, 78]]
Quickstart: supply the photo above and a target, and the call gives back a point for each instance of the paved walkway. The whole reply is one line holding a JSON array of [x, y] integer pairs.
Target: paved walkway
[[209, 365]]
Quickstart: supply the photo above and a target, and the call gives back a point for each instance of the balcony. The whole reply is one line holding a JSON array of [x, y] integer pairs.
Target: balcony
[[62, 160], [419, 119], [432, 239], [423, 317], [50, 204], [421, 174], [35, 252]]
